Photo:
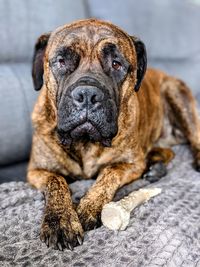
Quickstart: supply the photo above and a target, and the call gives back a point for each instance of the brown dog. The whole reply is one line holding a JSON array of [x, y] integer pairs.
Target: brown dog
[[90, 120]]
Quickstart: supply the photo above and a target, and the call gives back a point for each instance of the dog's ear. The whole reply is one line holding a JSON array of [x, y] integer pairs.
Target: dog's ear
[[38, 61], [141, 61]]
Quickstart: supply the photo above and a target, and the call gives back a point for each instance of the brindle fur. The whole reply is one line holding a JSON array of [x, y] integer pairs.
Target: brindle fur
[[162, 113]]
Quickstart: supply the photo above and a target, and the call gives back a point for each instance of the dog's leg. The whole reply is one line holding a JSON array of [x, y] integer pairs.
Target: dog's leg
[[61, 227], [184, 112], [109, 180], [157, 160]]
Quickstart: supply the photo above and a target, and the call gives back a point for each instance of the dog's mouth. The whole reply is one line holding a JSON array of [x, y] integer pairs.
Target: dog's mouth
[[86, 132]]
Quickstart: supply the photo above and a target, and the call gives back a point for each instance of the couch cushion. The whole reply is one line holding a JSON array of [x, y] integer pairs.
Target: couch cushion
[[21, 22], [16, 103], [13, 172]]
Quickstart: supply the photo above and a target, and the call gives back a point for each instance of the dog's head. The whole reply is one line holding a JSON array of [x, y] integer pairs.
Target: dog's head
[[88, 68]]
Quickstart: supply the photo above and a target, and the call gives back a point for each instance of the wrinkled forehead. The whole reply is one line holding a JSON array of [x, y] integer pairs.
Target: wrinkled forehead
[[87, 36]]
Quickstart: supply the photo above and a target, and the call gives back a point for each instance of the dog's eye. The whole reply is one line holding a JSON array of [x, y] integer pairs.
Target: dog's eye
[[116, 65], [61, 61]]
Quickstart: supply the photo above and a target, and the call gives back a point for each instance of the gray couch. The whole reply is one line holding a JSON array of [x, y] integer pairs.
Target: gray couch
[[170, 30]]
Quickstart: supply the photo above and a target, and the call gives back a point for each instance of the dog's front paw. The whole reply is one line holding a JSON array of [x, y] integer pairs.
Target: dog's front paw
[[61, 231], [89, 215]]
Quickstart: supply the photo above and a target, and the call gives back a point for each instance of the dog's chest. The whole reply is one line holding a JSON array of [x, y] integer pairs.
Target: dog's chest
[[88, 158], [94, 157]]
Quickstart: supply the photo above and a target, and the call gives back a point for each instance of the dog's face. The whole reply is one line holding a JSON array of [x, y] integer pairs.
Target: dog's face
[[86, 66]]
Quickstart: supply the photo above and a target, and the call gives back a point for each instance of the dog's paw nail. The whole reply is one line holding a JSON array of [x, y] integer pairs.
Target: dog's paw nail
[[70, 247], [65, 243], [47, 242], [60, 246], [80, 240]]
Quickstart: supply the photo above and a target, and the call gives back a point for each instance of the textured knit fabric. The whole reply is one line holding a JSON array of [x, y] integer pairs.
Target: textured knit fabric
[[163, 232]]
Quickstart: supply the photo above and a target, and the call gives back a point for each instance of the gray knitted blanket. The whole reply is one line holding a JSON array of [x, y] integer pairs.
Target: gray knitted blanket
[[163, 232]]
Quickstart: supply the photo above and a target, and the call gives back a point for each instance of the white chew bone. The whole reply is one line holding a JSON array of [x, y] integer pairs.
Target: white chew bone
[[116, 215]]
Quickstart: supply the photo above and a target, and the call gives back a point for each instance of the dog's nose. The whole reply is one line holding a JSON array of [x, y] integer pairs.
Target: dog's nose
[[87, 95]]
